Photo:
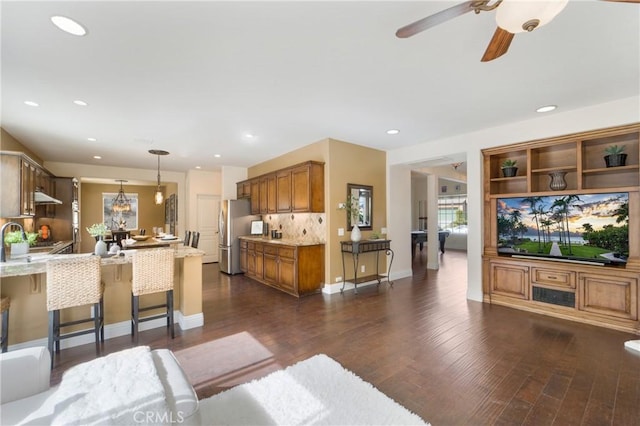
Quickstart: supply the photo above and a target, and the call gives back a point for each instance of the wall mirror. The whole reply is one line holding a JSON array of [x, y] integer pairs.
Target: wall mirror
[[361, 206]]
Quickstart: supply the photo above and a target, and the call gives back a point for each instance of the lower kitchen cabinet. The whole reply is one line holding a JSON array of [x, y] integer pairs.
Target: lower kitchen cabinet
[[294, 269]]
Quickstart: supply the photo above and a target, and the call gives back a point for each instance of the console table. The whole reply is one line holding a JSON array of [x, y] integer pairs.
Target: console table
[[367, 246]]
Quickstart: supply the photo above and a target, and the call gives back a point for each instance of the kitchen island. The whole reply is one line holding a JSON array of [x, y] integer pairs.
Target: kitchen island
[[24, 281]]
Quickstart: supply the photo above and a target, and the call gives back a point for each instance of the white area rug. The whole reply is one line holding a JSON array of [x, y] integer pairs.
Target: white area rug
[[317, 391]]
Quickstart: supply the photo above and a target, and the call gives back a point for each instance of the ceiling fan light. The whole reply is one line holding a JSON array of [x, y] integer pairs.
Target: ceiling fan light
[[515, 16]]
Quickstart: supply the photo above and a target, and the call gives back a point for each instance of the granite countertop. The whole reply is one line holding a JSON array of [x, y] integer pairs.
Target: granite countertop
[[283, 241], [37, 263]]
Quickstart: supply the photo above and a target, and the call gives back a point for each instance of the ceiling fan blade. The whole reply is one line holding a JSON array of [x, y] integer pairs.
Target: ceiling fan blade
[[435, 19], [498, 45]]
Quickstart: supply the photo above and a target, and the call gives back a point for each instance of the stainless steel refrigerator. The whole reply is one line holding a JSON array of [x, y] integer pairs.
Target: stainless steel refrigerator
[[234, 220]]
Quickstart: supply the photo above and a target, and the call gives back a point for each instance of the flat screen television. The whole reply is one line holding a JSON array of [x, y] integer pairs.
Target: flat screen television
[[582, 228]]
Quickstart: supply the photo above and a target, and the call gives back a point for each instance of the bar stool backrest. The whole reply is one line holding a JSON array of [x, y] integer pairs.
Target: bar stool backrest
[[196, 239], [73, 281], [187, 237], [152, 271]]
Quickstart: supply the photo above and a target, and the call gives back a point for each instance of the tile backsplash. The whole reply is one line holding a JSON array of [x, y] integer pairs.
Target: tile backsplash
[[308, 227]]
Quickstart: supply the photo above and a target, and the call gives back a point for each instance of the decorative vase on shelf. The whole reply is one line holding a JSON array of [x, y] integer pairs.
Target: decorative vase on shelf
[[356, 235], [101, 247], [557, 181]]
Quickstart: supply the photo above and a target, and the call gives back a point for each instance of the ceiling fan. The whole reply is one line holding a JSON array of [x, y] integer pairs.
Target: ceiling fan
[[513, 16]]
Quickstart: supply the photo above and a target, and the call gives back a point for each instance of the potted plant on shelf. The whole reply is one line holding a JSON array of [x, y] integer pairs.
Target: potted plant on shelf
[[98, 231], [614, 156], [509, 168], [17, 244]]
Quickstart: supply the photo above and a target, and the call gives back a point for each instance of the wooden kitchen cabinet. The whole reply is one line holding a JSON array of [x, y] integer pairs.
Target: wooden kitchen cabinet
[[297, 270], [307, 187], [284, 191], [243, 256], [255, 196], [267, 194], [298, 188], [243, 189], [20, 176]]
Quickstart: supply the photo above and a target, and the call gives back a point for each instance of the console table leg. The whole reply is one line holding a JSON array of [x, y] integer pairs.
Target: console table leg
[[389, 252], [344, 277]]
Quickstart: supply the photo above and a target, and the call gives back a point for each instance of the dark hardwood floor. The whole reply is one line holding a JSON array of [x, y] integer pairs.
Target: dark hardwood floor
[[421, 342]]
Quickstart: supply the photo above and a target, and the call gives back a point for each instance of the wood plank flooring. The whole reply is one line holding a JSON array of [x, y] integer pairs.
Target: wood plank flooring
[[450, 360]]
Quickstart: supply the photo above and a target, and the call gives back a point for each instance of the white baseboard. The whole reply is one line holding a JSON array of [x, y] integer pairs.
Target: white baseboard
[[335, 288], [122, 328]]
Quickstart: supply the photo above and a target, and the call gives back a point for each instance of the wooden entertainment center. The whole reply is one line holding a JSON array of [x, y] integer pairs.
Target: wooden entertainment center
[[578, 290]]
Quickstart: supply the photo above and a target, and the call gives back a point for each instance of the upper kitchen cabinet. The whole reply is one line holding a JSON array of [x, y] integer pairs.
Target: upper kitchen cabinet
[[298, 188], [307, 187], [18, 185]]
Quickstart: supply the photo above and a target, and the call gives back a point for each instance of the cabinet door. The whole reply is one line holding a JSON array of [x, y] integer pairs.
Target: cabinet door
[[259, 273], [255, 196], [251, 259], [284, 191], [272, 192], [510, 280], [243, 259], [264, 196], [300, 189], [270, 270], [27, 188], [287, 273], [613, 296]]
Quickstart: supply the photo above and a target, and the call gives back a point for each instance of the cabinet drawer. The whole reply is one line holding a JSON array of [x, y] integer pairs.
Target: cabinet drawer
[[243, 244], [553, 277], [259, 247], [251, 245], [289, 252], [270, 249]]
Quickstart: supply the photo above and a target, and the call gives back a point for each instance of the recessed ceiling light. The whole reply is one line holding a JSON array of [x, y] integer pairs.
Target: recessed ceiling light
[[217, 155], [97, 157], [80, 103], [92, 139], [249, 135], [198, 167], [68, 25], [393, 131], [546, 108], [31, 103]]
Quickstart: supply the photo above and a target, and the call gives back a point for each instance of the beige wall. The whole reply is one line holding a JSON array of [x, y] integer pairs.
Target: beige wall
[[344, 163], [9, 143], [149, 214]]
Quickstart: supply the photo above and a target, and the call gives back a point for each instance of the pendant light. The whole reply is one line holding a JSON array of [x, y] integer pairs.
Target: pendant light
[[121, 204], [159, 197]]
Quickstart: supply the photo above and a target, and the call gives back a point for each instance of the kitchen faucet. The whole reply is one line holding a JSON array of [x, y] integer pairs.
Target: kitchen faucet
[[3, 254]]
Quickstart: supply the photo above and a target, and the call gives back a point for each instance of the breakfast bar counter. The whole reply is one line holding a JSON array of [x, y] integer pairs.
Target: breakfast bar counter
[[24, 281]]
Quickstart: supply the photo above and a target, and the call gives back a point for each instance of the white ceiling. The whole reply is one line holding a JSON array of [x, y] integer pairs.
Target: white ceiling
[[193, 77]]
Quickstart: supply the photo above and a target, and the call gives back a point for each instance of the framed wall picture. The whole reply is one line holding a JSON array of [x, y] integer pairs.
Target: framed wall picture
[[112, 219]]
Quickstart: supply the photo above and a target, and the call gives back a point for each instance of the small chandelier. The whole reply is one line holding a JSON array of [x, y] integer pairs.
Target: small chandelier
[[121, 204], [159, 197]]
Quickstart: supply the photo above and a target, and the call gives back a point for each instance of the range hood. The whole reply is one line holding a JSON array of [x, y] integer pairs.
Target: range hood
[[41, 198]]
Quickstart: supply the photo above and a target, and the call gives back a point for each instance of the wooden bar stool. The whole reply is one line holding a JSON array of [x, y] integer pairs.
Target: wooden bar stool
[[72, 282], [187, 237], [152, 273], [5, 303]]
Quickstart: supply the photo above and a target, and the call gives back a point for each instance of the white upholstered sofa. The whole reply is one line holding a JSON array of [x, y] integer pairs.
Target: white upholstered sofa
[[26, 397]]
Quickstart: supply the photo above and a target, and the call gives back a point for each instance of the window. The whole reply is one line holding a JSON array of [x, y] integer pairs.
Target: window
[[452, 213]]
